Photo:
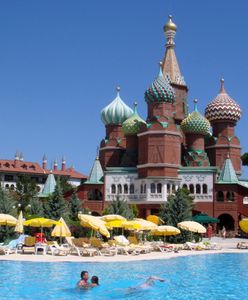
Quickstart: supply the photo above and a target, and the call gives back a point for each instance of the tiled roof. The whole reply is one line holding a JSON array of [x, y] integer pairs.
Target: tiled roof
[[96, 173], [49, 186], [18, 166], [228, 174]]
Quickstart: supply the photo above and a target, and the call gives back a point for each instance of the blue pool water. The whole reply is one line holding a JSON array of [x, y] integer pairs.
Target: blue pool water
[[220, 276]]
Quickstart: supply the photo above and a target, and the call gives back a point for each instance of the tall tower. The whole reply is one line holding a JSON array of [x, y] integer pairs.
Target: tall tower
[[223, 113], [160, 140], [172, 72], [114, 144], [195, 127]]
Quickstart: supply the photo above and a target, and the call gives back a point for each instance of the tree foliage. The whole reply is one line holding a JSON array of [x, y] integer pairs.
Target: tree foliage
[[56, 206], [75, 206], [26, 190], [7, 204], [178, 208], [244, 159], [120, 206], [36, 207]]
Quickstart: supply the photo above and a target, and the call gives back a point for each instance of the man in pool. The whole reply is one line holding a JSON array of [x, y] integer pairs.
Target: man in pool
[[147, 284], [83, 283]]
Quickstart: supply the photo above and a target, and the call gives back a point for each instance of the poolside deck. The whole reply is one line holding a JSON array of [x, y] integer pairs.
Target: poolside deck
[[227, 245]]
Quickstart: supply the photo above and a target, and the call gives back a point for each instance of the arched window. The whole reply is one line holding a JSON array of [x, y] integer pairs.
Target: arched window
[[173, 188], [204, 189], [198, 189], [191, 189], [94, 194], [6, 186], [159, 188], [12, 187], [153, 188], [220, 196], [144, 189], [230, 196], [185, 186], [168, 188], [125, 189], [119, 189], [141, 189], [131, 188], [113, 189]]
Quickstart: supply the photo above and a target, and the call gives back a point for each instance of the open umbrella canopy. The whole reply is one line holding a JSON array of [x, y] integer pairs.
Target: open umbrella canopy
[[61, 230], [155, 219], [94, 223], [131, 225], [19, 225], [205, 219], [244, 225], [192, 226], [115, 224], [40, 222], [7, 220], [109, 218], [139, 224], [166, 230]]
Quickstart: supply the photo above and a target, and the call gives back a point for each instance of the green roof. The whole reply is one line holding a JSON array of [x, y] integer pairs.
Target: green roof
[[228, 174], [96, 173], [49, 186]]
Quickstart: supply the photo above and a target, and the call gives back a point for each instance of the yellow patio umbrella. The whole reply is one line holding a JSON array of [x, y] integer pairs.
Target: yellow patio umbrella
[[244, 225], [192, 226], [19, 225], [40, 222], [61, 229], [131, 225], [166, 230], [155, 219], [146, 225], [115, 224], [109, 218], [94, 223], [7, 220]]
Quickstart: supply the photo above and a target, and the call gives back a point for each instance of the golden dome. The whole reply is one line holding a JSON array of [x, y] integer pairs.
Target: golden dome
[[170, 25]]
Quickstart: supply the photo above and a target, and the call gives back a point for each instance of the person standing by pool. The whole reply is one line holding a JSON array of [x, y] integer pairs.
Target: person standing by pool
[[209, 231], [223, 232], [83, 283]]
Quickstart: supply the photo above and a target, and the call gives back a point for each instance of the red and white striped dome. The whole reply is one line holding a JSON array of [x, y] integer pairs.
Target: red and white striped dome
[[223, 107]]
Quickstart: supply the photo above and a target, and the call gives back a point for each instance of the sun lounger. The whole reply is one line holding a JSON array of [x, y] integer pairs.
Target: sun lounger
[[29, 245], [242, 245]]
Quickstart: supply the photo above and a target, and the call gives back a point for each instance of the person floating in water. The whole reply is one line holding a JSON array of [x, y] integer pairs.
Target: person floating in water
[[147, 284], [83, 282]]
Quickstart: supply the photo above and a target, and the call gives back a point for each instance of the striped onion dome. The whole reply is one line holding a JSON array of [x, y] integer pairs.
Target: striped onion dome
[[195, 123], [160, 90], [133, 124], [116, 112], [223, 107]]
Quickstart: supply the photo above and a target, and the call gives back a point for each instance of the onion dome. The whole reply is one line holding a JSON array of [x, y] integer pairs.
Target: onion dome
[[133, 124], [170, 25], [195, 123], [116, 112], [223, 107], [160, 90]]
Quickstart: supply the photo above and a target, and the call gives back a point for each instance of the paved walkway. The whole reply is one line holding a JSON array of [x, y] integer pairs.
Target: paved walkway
[[227, 245]]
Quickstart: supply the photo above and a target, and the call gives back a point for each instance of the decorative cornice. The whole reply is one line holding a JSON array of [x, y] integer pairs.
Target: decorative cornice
[[224, 146], [160, 132], [158, 165]]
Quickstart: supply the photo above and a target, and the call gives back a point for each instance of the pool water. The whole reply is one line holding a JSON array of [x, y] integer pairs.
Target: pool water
[[216, 276]]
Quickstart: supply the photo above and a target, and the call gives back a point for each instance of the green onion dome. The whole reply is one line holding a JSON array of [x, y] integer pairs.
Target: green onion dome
[[195, 123], [160, 90], [116, 112], [223, 107], [133, 124]]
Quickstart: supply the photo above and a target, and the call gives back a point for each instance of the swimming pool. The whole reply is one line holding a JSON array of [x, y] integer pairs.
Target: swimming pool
[[217, 276]]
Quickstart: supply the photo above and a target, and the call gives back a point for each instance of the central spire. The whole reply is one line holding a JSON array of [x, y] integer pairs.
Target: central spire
[[170, 65]]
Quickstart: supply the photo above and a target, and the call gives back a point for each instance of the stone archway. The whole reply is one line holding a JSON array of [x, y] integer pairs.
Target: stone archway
[[227, 221]]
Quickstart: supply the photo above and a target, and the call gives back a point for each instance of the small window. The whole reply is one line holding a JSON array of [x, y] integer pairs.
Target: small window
[[204, 189], [168, 188], [8, 178], [113, 189], [220, 196], [6, 186], [173, 188], [153, 188], [141, 189], [12, 187], [125, 189], [144, 190], [185, 186], [159, 188], [119, 189], [191, 189], [230, 196], [132, 188], [198, 189]]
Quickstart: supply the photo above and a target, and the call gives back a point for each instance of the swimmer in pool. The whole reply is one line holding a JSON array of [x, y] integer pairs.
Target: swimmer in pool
[[147, 284], [83, 282], [94, 281]]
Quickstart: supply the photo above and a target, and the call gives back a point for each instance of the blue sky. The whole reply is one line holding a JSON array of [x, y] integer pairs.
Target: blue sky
[[60, 62]]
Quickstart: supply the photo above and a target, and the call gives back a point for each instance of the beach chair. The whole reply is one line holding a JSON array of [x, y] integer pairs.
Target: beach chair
[[55, 249], [102, 248], [242, 245], [73, 248], [29, 245], [10, 248]]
